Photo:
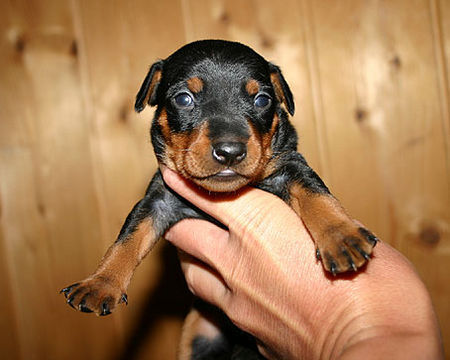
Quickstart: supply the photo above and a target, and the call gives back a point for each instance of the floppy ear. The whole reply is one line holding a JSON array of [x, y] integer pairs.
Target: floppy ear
[[147, 92], [281, 88]]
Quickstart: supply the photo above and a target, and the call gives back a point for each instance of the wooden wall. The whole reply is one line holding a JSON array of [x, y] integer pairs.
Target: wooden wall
[[371, 82]]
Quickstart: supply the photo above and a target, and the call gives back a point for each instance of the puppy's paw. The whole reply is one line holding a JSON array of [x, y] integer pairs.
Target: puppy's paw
[[96, 294], [345, 247]]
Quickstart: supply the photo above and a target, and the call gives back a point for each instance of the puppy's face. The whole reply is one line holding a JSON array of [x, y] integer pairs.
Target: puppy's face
[[218, 113]]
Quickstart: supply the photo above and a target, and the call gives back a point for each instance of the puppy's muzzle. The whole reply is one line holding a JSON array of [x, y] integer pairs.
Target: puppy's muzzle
[[229, 153]]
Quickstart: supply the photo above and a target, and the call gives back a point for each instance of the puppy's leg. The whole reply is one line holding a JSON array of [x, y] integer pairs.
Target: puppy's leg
[[107, 286], [341, 243], [146, 223]]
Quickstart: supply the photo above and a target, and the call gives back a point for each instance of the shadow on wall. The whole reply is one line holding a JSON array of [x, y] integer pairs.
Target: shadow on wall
[[170, 298]]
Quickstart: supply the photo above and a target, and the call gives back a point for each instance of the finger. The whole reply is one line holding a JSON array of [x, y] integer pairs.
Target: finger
[[203, 281], [201, 239], [225, 207]]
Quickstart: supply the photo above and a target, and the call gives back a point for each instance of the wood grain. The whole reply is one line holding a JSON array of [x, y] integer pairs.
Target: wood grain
[[371, 85]]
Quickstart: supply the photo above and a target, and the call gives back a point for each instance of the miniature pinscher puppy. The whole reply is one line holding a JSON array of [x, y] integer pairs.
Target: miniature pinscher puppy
[[221, 121]]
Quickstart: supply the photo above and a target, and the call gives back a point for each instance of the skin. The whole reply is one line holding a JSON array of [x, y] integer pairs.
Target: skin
[[263, 274]]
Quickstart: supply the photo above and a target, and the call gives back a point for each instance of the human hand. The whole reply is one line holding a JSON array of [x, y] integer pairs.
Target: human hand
[[263, 274]]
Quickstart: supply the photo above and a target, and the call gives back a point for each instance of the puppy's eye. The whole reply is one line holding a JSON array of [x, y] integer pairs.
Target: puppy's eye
[[184, 100], [262, 101]]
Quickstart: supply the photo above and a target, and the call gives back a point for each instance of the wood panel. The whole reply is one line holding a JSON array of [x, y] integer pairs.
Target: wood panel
[[388, 111], [371, 84], [47, 222]]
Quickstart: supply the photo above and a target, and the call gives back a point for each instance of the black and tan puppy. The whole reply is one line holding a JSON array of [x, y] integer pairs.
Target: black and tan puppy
[[222, 122]]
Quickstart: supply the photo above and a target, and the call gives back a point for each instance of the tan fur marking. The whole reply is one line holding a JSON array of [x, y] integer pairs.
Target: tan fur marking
[[255, 151], [333, 231], [317, 207], [180, 150], [163, 122], [199, 159], [275, 79], [267, 138], [267, 151], [267, 146], [121, 259], [252, 87], [195, 84], [155, 80]]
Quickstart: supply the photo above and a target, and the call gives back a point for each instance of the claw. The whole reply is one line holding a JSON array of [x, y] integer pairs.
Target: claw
[[85, 309], [82, 306], [371, 238], [333, 267], [362, 252], [124, 299], [72, 298], [105, 309], [68, 289], [349, 260], [69, 301], [318, 256]]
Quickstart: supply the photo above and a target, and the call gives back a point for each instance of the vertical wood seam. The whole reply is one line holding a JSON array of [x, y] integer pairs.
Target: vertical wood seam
[[13, 288], [83, 71], [314, 80]]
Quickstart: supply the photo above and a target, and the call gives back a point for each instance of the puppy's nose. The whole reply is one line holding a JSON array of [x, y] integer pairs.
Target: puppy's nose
[[229, 153]]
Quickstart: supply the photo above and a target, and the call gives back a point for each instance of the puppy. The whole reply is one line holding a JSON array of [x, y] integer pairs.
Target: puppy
[[221, 121]]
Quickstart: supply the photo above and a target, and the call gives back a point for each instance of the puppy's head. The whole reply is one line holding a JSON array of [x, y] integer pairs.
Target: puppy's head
[[219, 108]]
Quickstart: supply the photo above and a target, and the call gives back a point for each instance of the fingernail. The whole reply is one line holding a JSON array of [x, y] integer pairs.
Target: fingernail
[[167, 173], [168, 235]]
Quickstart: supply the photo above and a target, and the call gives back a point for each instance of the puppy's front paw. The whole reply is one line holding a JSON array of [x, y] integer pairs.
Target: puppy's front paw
[[345, 247], [96, 294]]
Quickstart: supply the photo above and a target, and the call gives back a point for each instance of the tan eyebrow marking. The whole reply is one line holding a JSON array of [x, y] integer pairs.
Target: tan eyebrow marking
[[195, 84], [252, 87]]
